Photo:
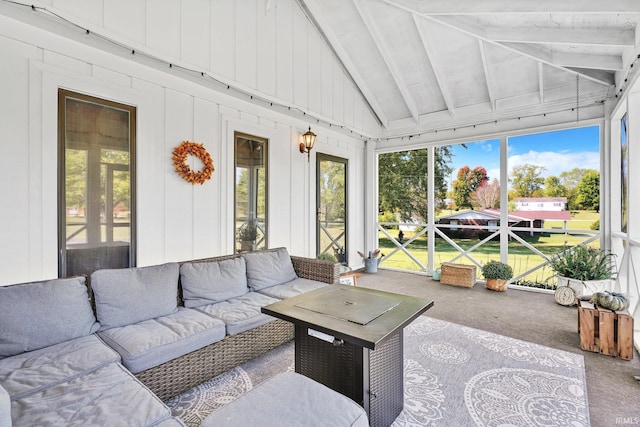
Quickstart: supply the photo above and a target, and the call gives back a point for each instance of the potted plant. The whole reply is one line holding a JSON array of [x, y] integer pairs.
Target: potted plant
[[584, 269], [247, 235], [497, 274], [326, 256]]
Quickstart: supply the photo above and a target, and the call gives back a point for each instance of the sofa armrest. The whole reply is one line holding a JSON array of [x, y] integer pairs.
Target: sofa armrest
[[315, 269]]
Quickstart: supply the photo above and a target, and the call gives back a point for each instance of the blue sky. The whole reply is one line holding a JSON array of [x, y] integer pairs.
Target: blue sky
[[557, 151]]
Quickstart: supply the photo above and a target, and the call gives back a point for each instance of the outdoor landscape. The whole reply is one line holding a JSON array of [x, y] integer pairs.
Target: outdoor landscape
[[558, 172]]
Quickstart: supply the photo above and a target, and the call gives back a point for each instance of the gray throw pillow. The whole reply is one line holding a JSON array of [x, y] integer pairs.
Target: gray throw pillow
[[210, 282], [40, 314], [131, 295], [269, 268]]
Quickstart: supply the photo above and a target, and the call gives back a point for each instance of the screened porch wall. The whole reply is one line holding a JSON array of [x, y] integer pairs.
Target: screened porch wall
[[176, 220]]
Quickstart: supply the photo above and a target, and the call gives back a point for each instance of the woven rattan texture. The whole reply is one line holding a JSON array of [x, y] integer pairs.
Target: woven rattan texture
[[175, 376], [337, 367], [387, 393], [458, 274]]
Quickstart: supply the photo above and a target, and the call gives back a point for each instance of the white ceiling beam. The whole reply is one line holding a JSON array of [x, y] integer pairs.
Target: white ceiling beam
[[596, 74], [432, 55], [487, 75], [601, 37], [493, 7], [565, 60], [541, 81], [479, 32], [311, 10], [593, 62], [387, 55]]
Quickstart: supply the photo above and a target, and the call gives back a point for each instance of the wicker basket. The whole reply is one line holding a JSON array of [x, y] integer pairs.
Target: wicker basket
[[497, 284], [458, 274]]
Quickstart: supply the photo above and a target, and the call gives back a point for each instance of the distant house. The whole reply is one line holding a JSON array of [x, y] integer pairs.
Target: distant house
[[462, 224], [540, 204]]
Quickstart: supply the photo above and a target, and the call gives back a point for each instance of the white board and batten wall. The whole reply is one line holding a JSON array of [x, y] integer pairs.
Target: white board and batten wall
[[271, 49]]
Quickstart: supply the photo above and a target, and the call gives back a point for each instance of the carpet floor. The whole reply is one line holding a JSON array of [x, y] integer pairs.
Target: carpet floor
[[453, 375]]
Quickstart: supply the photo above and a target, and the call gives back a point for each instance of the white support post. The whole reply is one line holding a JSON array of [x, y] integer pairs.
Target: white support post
[[431, 209], [370, 197], [504, 201]]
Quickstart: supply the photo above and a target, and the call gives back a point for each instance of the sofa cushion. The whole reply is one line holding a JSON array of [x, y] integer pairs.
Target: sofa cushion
[[291, 289], [130, 295], [109, 396], [39, 314], [210, 282], [308, 403], [268, 268], [152, 342], [28, 373], [241, 313], [5, 408]]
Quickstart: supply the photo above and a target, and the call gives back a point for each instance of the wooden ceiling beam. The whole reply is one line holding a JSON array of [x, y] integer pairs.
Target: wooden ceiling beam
[[432, 55], [312, 12], [387, 56], [495, 7], [586, 37], [479, 32], [487, 75]]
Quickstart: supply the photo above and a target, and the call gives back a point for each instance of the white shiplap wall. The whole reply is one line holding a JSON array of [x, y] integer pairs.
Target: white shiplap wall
[[176, 221]]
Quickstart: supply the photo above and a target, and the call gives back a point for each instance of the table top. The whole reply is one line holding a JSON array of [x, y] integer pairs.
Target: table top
[[358, 315]]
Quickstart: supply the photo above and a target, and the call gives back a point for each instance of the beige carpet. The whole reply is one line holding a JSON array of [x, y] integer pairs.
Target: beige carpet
[[454, 375]]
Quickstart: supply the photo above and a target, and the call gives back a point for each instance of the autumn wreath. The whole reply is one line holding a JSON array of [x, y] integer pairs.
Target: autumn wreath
[[180, 154]]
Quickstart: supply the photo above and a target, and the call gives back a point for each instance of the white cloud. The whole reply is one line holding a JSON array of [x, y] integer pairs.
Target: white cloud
[[556, 162]]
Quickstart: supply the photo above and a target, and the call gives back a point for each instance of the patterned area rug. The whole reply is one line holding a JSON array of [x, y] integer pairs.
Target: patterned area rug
[[454, 375]]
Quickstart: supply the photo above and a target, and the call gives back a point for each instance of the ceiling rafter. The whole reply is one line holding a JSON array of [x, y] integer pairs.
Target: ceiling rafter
[[564, 60], [493, 7], [541, 81], [487, 74], [310, 8], [478, 32], [433, 59], [370, 24], [587, 37]]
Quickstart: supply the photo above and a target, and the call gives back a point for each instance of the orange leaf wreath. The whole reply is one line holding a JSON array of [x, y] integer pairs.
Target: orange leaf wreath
[[180, 154]]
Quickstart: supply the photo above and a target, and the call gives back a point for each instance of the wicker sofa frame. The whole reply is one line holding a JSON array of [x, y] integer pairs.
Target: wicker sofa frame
[[178, 375]]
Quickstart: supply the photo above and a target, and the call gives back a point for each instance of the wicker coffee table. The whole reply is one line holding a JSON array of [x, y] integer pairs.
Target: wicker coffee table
[[350, 339]]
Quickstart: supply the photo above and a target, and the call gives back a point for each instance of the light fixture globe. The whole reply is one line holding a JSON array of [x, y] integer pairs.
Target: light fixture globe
[[308, 139]]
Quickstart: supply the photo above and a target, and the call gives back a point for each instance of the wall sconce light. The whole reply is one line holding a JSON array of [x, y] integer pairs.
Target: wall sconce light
[[308, 138]]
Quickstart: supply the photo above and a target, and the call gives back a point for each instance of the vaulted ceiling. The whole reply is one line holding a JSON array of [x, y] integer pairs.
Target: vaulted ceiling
[[433, 64]]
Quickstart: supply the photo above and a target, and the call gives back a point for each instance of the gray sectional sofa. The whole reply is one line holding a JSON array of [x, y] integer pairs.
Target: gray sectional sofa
[[77, 355]]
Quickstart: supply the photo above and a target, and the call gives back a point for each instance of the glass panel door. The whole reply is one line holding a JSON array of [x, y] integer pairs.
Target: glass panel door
[[331, 207], [250, 193], [96, 197]]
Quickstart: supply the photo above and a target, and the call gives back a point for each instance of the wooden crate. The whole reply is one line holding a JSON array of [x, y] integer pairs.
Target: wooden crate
[[458, 274], [605, 331]]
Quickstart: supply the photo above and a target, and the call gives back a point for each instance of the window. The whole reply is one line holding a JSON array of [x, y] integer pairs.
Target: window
[[250, 193], [96, 203]]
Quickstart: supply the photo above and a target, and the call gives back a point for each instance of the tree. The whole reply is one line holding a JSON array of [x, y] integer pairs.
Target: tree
[[402, 181], [487, 196], [469, 180], [570, 180], [588, 191], [553, 187], [526, 179]]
